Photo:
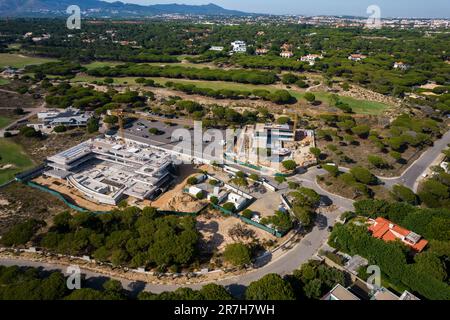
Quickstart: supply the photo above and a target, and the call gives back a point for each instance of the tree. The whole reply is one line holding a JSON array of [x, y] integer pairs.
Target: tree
[[290, 165], [200, 195], [229, 207], [237, 254], [92, 125], [60, 129], [333, 170], [310, 97], [247, 214], [306, 197], [214, 200], [316, 152], [280, 179], [362, 131], [377, 162], [283, 120], [304, 215], [214, 291], [363, 175], [21, 233], [404, 194], [281, 221], [192, 181], [254, 177], [270, 287]]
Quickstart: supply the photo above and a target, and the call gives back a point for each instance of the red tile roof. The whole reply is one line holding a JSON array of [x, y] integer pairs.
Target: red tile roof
[[386, 230]]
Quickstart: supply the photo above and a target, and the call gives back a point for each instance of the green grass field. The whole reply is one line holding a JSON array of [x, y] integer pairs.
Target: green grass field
[[4, 121], [20, 61], [12, 154], [3, 81]]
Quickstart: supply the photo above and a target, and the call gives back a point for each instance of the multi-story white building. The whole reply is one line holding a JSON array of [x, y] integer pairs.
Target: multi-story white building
[[106, 171]]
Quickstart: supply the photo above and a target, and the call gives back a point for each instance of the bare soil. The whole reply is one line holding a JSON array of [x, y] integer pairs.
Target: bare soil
[[19, 203]]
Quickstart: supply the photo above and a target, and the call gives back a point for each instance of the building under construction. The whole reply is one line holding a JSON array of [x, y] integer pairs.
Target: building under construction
[[106, 171]]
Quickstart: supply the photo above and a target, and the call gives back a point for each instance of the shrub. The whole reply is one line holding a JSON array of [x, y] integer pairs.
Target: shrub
[[192, 181], [237, 254], [21, 233], [229, 207], [247, 213], [59, 129], [200, 195], [290, 165]]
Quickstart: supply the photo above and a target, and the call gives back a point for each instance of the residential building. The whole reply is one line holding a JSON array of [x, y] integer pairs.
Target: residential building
[[69, 117], [401, 66], [384, 229], [239, 46], [311, 58], [339, 292], [216, 48], [357, 57], [261, 51], [286, 54]]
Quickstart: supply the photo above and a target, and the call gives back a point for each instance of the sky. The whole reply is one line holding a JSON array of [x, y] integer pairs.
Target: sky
[[389, 8]]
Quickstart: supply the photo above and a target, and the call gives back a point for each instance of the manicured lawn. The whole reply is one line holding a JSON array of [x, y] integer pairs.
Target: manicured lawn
[[20, 61], [12, 154], [4, 121]]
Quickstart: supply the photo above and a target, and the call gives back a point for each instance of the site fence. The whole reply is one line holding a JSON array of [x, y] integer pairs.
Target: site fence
[[274, 232], [81, 209]]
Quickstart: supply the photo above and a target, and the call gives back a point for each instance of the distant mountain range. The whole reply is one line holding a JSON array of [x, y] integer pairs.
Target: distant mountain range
[[96, 8]]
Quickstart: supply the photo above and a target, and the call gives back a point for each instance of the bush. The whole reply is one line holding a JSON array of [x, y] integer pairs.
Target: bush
[[404, 194], [200, 195], [290, 165], [59, 129], [363, 175], [310, 97], [214, 200], [377, 162], [247, 213], [229, 207], [237, 254], [192, 181]]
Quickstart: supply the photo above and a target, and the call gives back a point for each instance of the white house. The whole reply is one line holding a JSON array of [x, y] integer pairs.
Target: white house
[[401, 66], [239, 46], [311, 58], [286, 54], [216, 48], [69, 117], [238, 201], [357, 57]]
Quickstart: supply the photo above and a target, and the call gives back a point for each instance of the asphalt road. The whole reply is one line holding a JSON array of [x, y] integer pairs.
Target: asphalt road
[[411, 175]]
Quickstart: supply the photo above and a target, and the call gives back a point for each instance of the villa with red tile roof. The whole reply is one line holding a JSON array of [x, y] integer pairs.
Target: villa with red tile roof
[[386, 230]]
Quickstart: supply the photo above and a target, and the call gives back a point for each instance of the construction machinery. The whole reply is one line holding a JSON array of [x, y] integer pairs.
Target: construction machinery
[[122, 114]]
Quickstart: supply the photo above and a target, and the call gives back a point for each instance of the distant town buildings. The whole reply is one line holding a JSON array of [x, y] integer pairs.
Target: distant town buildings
[[239, 46], [386, 230]]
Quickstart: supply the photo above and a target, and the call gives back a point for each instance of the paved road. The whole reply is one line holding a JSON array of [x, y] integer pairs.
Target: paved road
[[30, 113], [412, 174]]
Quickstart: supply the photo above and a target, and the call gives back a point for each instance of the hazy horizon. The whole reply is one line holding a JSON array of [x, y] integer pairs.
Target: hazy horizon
[[389, 8]]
